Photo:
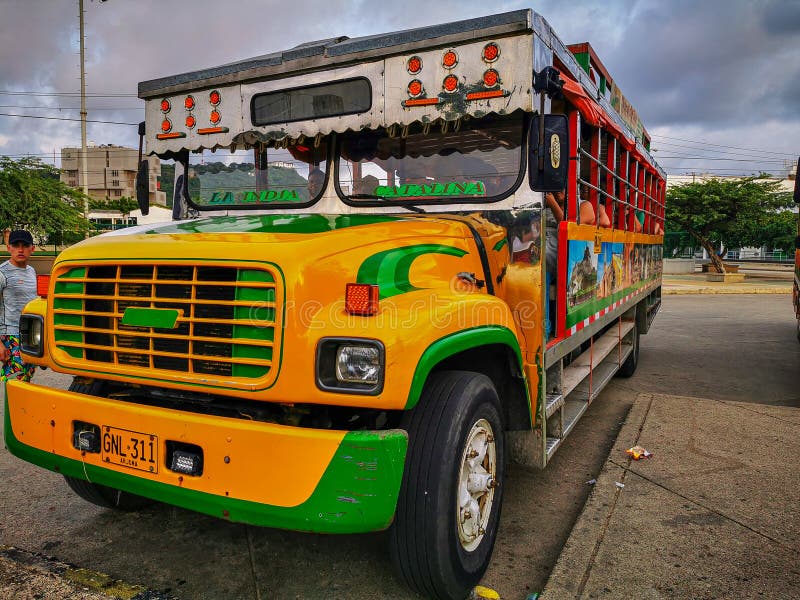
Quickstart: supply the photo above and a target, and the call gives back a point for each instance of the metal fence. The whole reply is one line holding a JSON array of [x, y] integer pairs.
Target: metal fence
[[679, 244]]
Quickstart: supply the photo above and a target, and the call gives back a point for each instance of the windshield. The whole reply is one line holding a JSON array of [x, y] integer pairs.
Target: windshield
[[476, 161], [257, 178]]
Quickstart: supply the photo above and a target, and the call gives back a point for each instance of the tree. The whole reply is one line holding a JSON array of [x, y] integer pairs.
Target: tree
[[34, 198], [123, 205], [731, 212]]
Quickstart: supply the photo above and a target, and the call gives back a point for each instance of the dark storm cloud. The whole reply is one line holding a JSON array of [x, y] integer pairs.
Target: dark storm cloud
[[782, 18], [721, 70], [713, 63]]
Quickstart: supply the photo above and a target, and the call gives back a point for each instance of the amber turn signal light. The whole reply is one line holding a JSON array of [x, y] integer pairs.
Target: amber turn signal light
[[42, 284], [361, 299]]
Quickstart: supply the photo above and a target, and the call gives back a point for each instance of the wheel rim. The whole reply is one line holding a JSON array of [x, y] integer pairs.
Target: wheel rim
[[477, 481]]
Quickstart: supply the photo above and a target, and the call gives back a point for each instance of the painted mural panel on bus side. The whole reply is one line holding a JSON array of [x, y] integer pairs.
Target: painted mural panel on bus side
[[597, 280]]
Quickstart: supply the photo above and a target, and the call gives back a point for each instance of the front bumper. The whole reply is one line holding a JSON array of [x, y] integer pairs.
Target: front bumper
[[254, 472]]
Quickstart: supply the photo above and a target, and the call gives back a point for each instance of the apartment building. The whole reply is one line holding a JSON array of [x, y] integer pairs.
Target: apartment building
[[111, 172]]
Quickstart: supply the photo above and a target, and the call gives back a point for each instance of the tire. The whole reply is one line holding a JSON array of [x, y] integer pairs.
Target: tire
[[95, 493], [107, 497], [628, 368], [443, 533]]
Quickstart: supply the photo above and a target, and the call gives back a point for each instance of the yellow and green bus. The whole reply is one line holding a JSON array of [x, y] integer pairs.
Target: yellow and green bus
[[396, 263]]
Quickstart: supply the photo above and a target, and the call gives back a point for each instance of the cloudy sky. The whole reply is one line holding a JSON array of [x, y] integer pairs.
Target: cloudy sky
[[716, 82]]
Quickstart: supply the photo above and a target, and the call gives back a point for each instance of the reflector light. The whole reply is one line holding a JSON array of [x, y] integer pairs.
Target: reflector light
[[491, 52], [361, 299], [214, 97], [190, 122], [42, 285], [166, 125], [484, 95], [188, 103], [421, 102], [414, 65], [215, 117], [415, 88], [491, 78], [169, 136], [450, 83], [450, 59], [165, 106], [210, 130]]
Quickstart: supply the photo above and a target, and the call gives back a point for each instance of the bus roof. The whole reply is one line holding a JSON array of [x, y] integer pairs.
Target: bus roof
[[339, 51]]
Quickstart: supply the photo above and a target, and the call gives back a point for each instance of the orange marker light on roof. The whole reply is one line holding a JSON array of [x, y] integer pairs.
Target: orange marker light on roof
[[414, 65], [491, 52], [188, 103], [361, 299], [450, 59], [415, 88], [166, 125], [215, 98], [491, 78], [215, 117], [165, 106], [190, 122], [450, 83]]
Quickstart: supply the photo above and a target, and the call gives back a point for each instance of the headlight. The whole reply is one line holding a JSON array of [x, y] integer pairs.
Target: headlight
[[358, 364], [350, 365], [31, 334]]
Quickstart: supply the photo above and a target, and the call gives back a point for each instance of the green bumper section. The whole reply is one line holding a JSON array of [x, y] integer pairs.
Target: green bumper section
[[356, 494]]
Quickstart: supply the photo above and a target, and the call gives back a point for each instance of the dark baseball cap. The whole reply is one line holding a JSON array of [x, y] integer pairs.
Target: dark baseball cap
[[20, 235]]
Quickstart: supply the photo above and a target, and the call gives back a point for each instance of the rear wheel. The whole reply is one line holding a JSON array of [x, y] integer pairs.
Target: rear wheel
[[449, 505], [628, 368], [95, 493]]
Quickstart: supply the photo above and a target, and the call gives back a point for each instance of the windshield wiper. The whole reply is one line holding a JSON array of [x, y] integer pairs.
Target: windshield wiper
[[410, 207]]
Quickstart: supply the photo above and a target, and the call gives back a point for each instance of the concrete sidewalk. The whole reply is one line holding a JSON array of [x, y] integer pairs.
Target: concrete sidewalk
[[755, 282], [712, 514]]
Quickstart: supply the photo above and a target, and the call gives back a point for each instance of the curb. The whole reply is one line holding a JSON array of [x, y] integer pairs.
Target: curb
[[48, 578], [577, 558], [712, 290]]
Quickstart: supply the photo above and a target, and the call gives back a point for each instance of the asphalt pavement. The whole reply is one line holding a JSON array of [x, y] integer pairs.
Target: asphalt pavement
[[712, 513]]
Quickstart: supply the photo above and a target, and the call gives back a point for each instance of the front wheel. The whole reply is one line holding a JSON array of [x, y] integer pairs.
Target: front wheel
[[449, 506], [105, 496], [95, 493]]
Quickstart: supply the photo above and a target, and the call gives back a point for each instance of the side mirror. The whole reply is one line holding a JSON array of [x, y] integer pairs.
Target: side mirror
[[548, 153], [143, 187], [797, 243], [797, 183]]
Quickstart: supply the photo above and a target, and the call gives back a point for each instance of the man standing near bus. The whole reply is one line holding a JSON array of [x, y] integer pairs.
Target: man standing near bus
[[17, 288]]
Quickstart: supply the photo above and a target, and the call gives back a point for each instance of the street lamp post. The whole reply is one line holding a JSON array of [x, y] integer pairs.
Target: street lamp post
[[84, 168]]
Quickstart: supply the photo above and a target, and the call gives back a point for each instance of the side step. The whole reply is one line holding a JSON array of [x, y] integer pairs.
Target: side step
[[572, 387]]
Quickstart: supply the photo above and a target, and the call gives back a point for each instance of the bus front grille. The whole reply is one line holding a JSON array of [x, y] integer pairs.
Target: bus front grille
[[163, 319]]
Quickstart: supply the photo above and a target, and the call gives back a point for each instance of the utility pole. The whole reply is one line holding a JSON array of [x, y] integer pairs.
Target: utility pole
[[84, 168]]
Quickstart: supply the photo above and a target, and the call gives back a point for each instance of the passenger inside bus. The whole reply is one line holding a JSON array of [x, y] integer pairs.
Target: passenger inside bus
[[587, 216], [366, 185], [316, 179]]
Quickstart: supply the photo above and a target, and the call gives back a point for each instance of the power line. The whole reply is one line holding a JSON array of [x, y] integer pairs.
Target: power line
[[670, 146], [65, 119], [68, 107], [760, 151], [770, 160], [67, 94]]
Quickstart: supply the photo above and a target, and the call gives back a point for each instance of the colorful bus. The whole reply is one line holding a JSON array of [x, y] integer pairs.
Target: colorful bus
[[796, 288], [397, 262]]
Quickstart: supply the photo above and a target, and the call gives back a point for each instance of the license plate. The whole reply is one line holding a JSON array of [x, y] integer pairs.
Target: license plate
[[130, 449]]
